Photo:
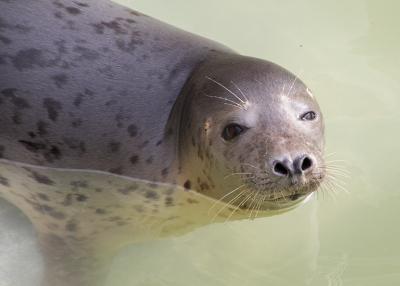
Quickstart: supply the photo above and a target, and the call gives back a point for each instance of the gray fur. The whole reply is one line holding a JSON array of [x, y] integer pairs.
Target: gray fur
[[79, 80]]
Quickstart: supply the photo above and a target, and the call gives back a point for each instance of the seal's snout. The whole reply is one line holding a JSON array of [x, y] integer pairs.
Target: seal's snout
[[299, 166]]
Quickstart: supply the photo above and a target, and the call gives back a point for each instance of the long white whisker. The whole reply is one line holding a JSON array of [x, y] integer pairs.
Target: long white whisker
[[227, 89], [224, 196], [238, 207], [231, 102], [227, 176], [238, 88], [228, 204], [293, 83]]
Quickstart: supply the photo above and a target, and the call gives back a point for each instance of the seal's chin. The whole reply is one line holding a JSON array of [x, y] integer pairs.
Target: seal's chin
[[281, 197], [285, 203]]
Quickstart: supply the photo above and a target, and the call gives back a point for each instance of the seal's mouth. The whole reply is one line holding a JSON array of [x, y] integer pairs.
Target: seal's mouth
[[281, 193], [293, 197]]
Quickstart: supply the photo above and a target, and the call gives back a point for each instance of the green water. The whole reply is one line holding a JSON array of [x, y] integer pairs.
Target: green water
[[348, 53]]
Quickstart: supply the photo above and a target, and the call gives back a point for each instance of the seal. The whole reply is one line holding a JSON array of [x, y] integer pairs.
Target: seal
[[123, 93]]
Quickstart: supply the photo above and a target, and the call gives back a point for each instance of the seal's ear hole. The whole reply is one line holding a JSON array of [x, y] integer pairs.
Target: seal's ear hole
[[308, 116], [232, 130]]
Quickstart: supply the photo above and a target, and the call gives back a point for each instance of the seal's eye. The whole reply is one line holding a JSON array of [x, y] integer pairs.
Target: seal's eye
[[308, 116], [231, 131]]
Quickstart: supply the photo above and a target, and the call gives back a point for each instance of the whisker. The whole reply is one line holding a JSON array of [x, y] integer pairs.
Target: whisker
[[253, 204], [231, 102], [291, 87], [224, 196], [238, 207], [227, 176], [238, 88], [228, 204], [227, 89], [247, 164], [260, 204]]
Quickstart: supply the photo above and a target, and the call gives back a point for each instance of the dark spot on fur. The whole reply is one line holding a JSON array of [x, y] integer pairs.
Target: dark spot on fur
[[86, 53], [73, 10], [2, 149], [134, 159], [130, 21], [130, 45], [132, 130], [58, 15], [81, 198], [33, 146], [114, 218], [192, 201], [4, 181], [81, 4], [164, 172], [2, 60], [159, 142], [5, 40], [76, 185], [41, 179], [53, 107], [29, 58], [117, 170], [151, 195], [75, 144], [187, 185], [114, 146], [18, 102], [169, 201], [138, 208], [128, 190], [114, 26], [60, 79], [144, 144], [71, 226], [43, 197], [76, 123], [204, 186], [101, 211], [53, 154], [31, 134], [48, 210], [98, 28], [121, 223], [42, 127], [78, 99], [67, 200], [135, 13], [149, 160]]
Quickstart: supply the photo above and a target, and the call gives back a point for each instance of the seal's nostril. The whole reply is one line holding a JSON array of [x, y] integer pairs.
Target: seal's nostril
[[280, 169], [306, 164]]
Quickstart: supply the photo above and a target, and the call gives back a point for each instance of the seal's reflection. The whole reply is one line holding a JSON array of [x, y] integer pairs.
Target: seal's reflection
[[82, 218]]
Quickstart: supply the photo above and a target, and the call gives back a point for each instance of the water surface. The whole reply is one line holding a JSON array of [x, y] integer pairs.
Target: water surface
[[347, 52]]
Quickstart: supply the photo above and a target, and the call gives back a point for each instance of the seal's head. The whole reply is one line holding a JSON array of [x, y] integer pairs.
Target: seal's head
[[250, 133]]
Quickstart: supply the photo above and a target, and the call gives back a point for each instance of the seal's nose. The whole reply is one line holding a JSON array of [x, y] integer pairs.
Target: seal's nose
[[301, 165]]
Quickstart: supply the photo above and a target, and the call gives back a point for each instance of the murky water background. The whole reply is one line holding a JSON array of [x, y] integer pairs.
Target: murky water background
[[348, 53]]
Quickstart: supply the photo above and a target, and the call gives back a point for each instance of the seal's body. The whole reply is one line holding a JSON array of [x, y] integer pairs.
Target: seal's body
[[91, 85]]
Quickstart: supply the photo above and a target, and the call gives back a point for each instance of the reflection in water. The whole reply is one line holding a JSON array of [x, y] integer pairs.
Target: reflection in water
[[83, 218]]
